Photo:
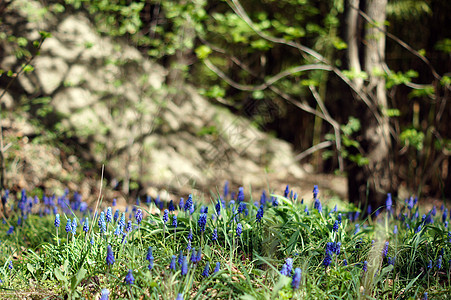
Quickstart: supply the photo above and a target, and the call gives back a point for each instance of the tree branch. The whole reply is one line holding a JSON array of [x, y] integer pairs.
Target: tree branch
[[268, 82]]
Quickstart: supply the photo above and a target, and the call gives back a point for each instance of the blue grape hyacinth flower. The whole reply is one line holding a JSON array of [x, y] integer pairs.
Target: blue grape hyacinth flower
[[139, 216], [239, 230], [214, 236], [385, 250], [129, 279], [202, 222], [206, 271], [335, 226], [74, 226], [185, 266], [389, 202], [165, 216], [218, 267], [86, 225], [57, 220], [173, 265], [365, 266], [110, 256], [105, 294], [69, 226], [296, 278], [284, 270], [108, 215], [260, 213]]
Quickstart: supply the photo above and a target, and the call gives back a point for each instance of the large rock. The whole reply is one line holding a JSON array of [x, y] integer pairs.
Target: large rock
[[114, 101]]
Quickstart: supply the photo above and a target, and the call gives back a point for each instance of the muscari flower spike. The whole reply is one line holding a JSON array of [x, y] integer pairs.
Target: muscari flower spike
[[68, 226], [10, 230], [284, 270], [318, 205], [439, 262], [335, 227], [185, 266], [315, 191], [179, 296], [74, 226], [240, 197], [289, 263], [129, 279], [218, 208], [202, 222], [57, 220], [149, 255], [105, 294], [165, 216], [173, 265], [391, 261], [389, 202], [287, 190], [365, 266], [139, 216], [189, 203], [239, 229], [327, 258], [174, 221], [86, 225], [108, 215], [171, 206], [116, 215], [296, 279], [260, 213], [206, 271], [214, 236], [218, 267], [226, 189], [129, 226], [385, 250], [110, 256]]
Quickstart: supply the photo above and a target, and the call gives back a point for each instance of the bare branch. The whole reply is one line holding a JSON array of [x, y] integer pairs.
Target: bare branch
[[268, 82], [332, 122], [312, 149]]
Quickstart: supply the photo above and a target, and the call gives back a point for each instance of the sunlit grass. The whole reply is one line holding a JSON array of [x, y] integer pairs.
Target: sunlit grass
[[340, 254]]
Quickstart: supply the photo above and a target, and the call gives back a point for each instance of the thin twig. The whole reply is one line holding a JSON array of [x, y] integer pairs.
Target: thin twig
[[334, 124], [270, 81], [312, 149]]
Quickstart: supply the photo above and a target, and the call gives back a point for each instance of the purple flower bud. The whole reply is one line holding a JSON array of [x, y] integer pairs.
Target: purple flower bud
[[206, 271], [218, 267], [129, 279]]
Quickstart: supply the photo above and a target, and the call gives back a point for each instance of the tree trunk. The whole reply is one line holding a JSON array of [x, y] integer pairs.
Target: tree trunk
[[372, 182]]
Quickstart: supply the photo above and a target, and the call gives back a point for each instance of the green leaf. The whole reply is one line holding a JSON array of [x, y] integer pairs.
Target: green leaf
[[392, 112], [424, 92], [283, 281], [45, 34], [59, 275], [30, 268], [76, 279], [28, 69], [203, 51], [258, 95], [444, 46]]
